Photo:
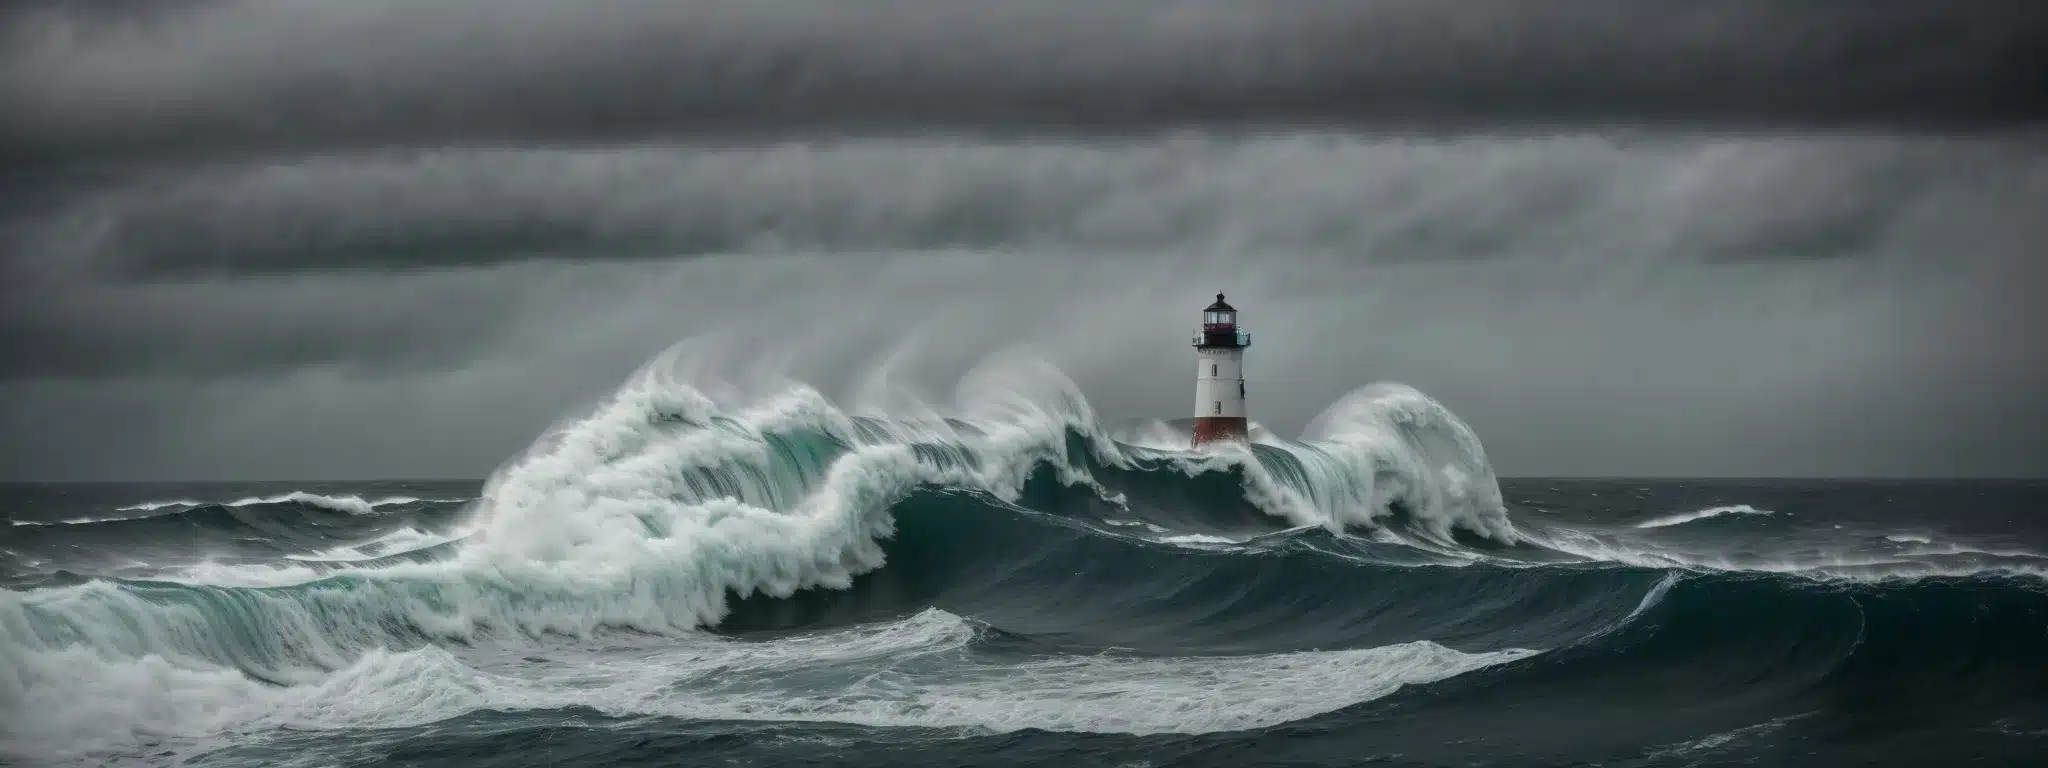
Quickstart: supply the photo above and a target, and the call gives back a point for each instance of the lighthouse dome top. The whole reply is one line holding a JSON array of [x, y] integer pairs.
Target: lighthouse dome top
[[1219, 327]]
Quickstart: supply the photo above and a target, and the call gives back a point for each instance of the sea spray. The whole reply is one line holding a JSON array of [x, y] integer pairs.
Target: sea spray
[[656, 508]]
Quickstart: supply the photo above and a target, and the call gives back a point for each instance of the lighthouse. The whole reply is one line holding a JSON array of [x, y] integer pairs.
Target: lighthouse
[[1219, 375]]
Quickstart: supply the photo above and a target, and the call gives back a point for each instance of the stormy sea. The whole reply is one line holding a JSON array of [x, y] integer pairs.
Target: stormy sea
[[682, 576]]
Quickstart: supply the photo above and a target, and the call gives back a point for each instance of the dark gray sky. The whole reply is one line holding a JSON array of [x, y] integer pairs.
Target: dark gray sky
[[316, 238]]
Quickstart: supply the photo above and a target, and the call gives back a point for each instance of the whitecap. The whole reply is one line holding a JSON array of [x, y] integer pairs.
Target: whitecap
[[1704, 514]]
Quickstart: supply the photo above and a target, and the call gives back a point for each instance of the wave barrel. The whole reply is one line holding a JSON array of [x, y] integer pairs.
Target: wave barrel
[[1219, 375]]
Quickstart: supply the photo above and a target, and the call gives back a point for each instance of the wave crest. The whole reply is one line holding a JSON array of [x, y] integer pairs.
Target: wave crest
[[1704, 514], [350, 503], [671, 498], [799, 489]]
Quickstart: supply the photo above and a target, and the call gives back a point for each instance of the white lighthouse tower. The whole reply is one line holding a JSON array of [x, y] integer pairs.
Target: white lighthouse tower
[[1219, 377]]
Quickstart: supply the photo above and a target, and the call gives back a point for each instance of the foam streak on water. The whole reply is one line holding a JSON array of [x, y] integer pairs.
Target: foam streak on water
[[647, 514], [997, 563], [1704, 514]]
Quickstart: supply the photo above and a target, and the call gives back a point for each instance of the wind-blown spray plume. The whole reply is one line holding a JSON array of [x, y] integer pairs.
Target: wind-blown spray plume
[[690, 503]]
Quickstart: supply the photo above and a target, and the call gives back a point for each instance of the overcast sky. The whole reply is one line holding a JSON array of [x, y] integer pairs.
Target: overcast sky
[[384, 238]]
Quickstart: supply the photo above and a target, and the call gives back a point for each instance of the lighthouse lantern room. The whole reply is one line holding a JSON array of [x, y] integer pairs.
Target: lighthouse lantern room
[[1219, 375]]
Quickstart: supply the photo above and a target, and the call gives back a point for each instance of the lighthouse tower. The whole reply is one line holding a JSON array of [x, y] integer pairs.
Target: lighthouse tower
[[1219, 377]]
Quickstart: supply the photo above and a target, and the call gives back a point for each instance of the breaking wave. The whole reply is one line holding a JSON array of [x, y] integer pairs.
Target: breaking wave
[[997, 562], [655, 511]]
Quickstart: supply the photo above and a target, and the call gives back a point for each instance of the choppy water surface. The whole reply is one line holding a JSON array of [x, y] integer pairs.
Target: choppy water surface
[[771, 580]]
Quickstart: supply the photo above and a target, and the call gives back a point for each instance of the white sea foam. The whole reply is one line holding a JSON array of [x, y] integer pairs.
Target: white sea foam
[[1200, 540], [1909, 538], [397, 542], [1156, 434], [650, 511], [74, 521], [81, 520], [151, 506], [350, 503], [1710, 512], [1847, 565], [1381, 450], [917, 671], [1941, 548]]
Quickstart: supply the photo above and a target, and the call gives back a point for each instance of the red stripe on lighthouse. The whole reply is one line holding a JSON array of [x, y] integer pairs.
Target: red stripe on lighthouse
[[1209, 429]]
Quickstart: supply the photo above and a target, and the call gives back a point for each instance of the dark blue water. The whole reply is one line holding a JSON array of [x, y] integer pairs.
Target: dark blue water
[[669, 581], [1804, 623]]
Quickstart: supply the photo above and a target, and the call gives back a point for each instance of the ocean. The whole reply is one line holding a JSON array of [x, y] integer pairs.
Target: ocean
[[688, 579]]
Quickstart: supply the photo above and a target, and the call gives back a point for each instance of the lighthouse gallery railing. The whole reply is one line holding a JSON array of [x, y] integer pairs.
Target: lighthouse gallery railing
[[1238, 337]]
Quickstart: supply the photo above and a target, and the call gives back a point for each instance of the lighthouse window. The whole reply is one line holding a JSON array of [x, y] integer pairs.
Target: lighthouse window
[[1219, 407], [1212, 369]]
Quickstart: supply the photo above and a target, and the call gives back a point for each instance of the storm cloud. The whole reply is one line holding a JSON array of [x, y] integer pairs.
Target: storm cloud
[[1386, 199], [308, 238], [233, 76]]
